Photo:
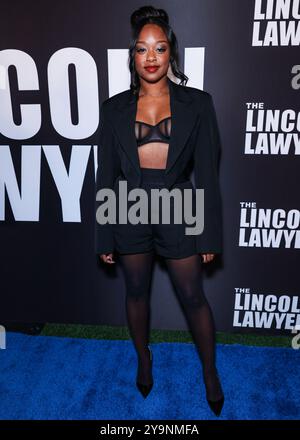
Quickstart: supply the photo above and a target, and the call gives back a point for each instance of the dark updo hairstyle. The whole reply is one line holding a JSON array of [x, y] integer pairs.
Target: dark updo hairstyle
[[146, 15]]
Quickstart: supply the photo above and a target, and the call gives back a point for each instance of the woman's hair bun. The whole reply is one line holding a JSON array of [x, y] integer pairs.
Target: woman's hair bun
[[147, 12]]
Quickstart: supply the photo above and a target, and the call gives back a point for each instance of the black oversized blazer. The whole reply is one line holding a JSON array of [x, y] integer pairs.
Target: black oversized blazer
[[194, 136]]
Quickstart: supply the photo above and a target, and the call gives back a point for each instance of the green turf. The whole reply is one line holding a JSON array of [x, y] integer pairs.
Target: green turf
[[110, 332]]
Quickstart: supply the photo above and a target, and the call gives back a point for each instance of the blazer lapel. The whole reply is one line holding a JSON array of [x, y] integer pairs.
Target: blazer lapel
[[183, 120]]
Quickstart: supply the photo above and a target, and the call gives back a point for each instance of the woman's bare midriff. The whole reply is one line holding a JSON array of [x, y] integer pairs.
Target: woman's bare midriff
[[153, 155]]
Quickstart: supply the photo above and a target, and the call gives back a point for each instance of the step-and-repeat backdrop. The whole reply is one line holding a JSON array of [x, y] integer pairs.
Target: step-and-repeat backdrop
[[58, 62]]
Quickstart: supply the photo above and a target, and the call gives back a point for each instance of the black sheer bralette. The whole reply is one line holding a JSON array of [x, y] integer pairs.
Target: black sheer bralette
[[146, 133]]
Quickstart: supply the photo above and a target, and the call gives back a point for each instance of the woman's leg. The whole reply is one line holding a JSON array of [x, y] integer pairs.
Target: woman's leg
[[137, 269], [186, 274]]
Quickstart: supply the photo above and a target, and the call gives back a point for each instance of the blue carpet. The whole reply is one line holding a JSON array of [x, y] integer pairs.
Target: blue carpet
[[45, 378]]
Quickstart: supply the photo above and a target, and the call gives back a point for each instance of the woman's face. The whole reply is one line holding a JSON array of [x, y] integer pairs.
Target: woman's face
[[152, 49]]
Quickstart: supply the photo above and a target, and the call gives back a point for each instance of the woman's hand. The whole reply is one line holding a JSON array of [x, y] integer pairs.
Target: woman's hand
[[107, 258], [207, 257]]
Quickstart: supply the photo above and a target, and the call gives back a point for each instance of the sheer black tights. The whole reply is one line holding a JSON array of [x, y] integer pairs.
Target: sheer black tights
[[186, 275], [137, 269]]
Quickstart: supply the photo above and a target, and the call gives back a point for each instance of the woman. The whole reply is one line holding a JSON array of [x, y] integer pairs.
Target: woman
[[149, 135]]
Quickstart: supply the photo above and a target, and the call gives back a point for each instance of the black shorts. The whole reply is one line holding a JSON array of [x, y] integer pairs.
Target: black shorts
[[169, 240]]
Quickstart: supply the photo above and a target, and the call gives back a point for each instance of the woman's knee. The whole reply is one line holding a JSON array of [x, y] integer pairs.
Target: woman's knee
[[193, 297], [138, 289]]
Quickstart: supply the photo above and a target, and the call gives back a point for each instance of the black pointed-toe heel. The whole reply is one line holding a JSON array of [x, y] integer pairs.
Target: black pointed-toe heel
[[143, 388], [216, 405]]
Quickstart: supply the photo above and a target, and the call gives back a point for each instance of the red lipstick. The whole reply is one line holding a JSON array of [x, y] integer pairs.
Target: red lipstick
[[152, 68]]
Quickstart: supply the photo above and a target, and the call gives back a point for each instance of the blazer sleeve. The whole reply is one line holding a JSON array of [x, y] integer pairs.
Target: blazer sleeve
[[206, 157], [107, 171]]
